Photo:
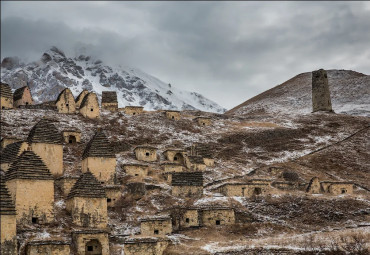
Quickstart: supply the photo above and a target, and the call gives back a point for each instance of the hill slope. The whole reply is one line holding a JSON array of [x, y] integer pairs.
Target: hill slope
[[350, 93], [55, 71]]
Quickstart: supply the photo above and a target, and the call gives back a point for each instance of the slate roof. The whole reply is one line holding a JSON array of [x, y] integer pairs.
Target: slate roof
[[10, 152], [196, 160], [109, 97], [187, 179], [79, 97], [87, 186], [203, 150], [155, 218], [28, 166], [45, 132], [7, 206], [98, 146], [18, 93], [62, 92], [131, 106], [5, 90], [85, 100]]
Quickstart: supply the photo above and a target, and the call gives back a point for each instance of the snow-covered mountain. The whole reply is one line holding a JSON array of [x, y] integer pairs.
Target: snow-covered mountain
[[350, 94], [55, 71]]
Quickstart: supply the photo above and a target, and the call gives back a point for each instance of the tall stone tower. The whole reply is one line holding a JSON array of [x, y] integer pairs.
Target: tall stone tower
[[320, 92]]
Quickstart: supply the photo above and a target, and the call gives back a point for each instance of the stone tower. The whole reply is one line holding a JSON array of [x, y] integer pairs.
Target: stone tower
[[320, 91]]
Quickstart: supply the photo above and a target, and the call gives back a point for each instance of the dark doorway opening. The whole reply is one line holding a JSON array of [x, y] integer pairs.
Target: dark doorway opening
[[93, 247], [72, 139], [218, 222]]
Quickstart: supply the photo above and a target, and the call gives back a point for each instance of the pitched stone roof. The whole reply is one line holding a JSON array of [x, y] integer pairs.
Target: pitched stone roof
[[45, 132], [86, 97], [87, 186], [82, 95], [7, 206], [28, 166], [187, 179], [98, 146], [109, 97], [62, 93], [196, 159], [155, 218], [5, 90], [18, 93], [10, 152]]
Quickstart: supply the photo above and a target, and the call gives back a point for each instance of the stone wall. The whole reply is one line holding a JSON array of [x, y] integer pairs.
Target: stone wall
[[156, 227], [51, 248], [340, 188], [88, 212], [209, 161], [25, 100], [172, 168], [114, 193], [320, 91], [136, 170], [76, 135], [82, 239], [66, 102], [133, 110], [244, 190], [146, 154], [102, 168], [190, 219], [51, 155], [213, 217], [91, 108], [187, 191], [173, 115], [8, 233], [33, 199], [113, 107], [6, 103], [175, 156], [203, 121], [145, 247]]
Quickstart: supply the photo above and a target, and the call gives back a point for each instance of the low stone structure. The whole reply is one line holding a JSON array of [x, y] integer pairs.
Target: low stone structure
[[145, 246], [32, 188], [214, 216], [139, 170], [8, 140], [133, 110], [87, 202], [65, 183], [65, 102], [156, 226], [175, 156], [173, 115], [72, 135], [146, 153], [109, 101], [203, 121], [90, 242], [244, 189], [54, 247], [314, 187], [99, 158], [10, 153], [337, 188], [113, 193], [22, 96], [6, 96], [321, 100], [80, 97], [170, 167], [46, 141], [195, 163], [190, 218], [187, 184], [89, 107], [8, 228]]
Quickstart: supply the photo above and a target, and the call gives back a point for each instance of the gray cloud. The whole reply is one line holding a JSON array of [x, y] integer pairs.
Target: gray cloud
[[228, 51]]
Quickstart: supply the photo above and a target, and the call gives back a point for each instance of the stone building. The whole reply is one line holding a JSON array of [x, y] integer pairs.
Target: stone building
[[90, 242], [156, 226], [214, 216], [80, 97], [10, 154], [109, 101], [173, 115], [146, 153], [175, 156], [8, 229], [139, 170], [99, 158], [54, 247], [133, 110], [87, 202], [65, 102], [205, 151], [145, 246], [22, 96], [187, 184], [113, 193], [195, 163], [46, 141], [8, 140], [31, 186], [169, 167], [320, 91], [314, 187], [89, 107], [6, 96], [190, 218], [244, 189], [72, 135], [203, 121], [337, 188], [65, 183]]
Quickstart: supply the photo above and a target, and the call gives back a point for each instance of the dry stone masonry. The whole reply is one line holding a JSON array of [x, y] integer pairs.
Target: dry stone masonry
[[321, 100]]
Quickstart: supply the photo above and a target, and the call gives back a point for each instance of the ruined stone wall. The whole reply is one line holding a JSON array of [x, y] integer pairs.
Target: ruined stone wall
[[190, 219], [51, 155], [113, 107], [212, 217], [102, 168], [25, 100], [6, 103], [66, 102], [340, 188], [187, 191], [88, 212], [8, 232], [163, 227], [134, 170], [195, 166], [133, 111], [320, 91], [81, 239], [173, 168], [243, 190], [50, 249], [77, 135], [33, 198], [209, 161], [173, 115], [145, 248], [146, 154]]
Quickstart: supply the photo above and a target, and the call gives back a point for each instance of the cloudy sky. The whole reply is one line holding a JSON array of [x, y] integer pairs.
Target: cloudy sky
[[228, 51]]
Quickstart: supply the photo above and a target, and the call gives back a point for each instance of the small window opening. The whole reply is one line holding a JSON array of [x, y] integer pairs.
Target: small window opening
[[218, 222], [34, 220], [102, 182], [156, 231], [26, 103], [90, 248], [173, 117], [204, 124], [187, 220], [109, 200], [147, 154], [67, 105], [136, 175], [92, 109], [2, 107], [344, 191], [175, 158], [134, 113], [257, 191]]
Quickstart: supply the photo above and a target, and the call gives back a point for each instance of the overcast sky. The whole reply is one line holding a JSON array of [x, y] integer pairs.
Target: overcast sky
[[227, 51]]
